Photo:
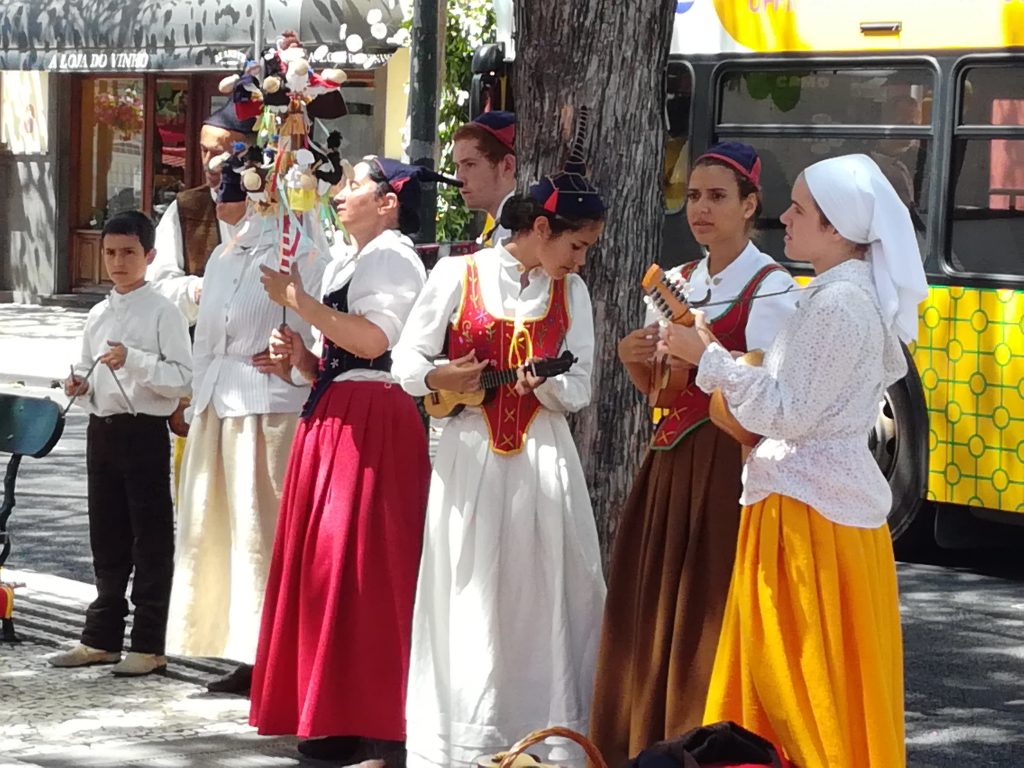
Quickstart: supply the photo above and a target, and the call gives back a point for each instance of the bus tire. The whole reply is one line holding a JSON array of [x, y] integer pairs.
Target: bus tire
[[899, 443]]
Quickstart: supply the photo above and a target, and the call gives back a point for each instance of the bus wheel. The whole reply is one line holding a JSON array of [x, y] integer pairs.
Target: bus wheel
[[899, 443]]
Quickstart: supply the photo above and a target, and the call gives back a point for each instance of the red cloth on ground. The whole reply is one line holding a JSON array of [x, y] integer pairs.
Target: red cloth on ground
[[333, 652]]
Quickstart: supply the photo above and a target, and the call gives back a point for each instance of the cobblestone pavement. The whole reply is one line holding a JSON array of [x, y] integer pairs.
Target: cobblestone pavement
[[52, 718], [963, 623], [57, 718]]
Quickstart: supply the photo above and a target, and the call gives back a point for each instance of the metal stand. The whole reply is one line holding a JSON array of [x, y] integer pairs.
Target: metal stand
[[7, 633], [29, 426]]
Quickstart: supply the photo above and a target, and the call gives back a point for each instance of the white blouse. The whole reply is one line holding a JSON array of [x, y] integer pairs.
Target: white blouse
[[503, 296], [816, 398], [235, 321], [384, 279], [157, 370], [167, 272], [766, 315]]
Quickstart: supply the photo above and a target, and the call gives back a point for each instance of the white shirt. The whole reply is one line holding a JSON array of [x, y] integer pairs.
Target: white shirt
[[157, 370], [766, 315], [236, 319], [500, 233], [384, 279], [497, 234], [816, 399], [167, 272], [503, 296]]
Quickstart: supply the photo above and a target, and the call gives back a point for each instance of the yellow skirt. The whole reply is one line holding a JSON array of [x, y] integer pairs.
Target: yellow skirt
[[811, 651], [179, 451]]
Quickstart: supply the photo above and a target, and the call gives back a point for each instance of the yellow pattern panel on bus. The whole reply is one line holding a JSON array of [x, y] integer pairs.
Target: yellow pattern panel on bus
[[775, 26], [970, 355]]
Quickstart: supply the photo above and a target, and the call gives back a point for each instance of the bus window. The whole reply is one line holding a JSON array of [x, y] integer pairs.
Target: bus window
[[678, 244], [826, 97], [987, 175], [883, 113], [677, 138]]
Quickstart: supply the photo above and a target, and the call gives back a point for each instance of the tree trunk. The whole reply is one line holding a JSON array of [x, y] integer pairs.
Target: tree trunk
[[609, 55]]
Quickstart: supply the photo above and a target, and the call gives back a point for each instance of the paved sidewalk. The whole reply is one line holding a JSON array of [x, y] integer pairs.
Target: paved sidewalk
[[52, 718], [57, 718], [37, 344]]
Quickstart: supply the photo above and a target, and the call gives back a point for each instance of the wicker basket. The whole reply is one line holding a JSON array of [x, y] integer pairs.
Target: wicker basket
[[538, 736]]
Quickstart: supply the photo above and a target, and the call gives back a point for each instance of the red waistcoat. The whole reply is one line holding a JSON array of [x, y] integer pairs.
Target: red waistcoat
[[508, 414], [690, 409]]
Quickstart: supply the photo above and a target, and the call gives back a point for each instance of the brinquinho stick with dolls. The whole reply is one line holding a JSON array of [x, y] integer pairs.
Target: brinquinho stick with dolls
[[287, 170]]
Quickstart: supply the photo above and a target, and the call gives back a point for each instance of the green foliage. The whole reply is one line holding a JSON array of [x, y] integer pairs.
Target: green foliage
[[470, 24]]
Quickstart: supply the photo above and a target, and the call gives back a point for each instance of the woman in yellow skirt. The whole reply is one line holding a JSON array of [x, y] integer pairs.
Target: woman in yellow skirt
[[810, 654]]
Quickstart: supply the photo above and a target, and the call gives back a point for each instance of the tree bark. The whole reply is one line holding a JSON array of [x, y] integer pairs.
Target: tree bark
[[609, 55]]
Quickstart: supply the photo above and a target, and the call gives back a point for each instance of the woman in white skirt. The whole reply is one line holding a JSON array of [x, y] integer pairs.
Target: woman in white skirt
[[243, 416], [510, 594]]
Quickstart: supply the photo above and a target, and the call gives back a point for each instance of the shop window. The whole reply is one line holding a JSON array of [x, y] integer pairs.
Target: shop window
[[110, 167], [987, 175], [361, 129], [169, 146], [880, 113]]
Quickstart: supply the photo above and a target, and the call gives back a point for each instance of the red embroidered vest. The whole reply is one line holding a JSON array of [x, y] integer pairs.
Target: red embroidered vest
[[690, 409], [508, 414]]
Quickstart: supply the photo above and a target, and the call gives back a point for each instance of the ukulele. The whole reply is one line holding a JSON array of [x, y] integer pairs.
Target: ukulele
[[722, 417], [444, 403], [666, 296], [666, 381]]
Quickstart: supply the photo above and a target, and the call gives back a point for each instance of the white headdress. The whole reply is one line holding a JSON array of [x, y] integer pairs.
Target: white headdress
[[862, 205]]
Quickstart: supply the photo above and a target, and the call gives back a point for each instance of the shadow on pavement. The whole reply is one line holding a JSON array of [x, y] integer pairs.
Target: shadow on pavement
[[964, 661], [50, 524]]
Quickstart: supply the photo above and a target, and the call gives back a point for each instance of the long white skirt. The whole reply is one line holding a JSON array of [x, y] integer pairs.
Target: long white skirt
[[228, 501], [510, 595]]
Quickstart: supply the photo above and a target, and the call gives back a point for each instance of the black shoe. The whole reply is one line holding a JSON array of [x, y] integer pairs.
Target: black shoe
[[237, 681], [338, 748], [391, 753]]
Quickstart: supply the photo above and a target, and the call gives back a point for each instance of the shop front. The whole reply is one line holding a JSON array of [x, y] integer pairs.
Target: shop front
[[94, 122]]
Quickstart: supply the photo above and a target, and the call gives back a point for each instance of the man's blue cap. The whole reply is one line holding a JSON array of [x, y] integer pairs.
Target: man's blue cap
[[501, 125], [226, 118]]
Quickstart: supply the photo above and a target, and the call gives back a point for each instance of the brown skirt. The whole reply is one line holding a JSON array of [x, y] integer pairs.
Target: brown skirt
[[667, 587]]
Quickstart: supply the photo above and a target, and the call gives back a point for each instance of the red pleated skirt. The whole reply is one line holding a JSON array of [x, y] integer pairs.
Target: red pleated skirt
[[333, 652]]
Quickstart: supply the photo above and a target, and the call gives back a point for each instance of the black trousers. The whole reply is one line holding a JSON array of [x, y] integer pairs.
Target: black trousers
[[131, 526]]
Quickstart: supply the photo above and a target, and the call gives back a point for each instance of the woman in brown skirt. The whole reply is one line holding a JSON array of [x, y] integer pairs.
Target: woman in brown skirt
[[675, 546]]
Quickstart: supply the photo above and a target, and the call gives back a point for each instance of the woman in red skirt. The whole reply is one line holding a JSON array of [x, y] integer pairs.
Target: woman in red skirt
[[333, 651]]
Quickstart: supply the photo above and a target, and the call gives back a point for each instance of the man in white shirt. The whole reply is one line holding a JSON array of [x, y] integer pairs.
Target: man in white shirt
[[189, 229], [242, 416], [485, 163]]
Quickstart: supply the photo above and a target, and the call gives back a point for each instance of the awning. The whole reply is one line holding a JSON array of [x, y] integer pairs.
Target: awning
[[187, 35]]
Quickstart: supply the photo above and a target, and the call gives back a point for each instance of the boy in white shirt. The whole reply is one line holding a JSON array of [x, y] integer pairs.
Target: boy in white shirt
[[136, 364]]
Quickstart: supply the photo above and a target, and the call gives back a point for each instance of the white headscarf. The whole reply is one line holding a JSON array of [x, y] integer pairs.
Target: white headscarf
[[862, 205]]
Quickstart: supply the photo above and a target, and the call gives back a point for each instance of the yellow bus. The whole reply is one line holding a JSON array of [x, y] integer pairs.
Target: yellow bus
[[934, 91]]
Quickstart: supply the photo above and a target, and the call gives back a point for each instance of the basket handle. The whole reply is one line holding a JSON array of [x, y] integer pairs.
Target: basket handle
[[593, 755]]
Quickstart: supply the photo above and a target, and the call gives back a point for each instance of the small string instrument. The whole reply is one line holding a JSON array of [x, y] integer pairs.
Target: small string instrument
[[722, 417], [666, 381], [444, 403], [666, 296]]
